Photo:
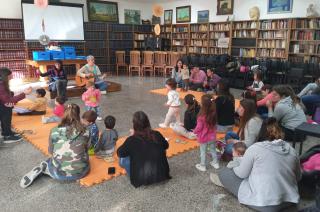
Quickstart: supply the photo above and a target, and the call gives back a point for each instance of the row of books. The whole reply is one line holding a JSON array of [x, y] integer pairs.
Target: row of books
[[305, 48], [11, 35], [199, 36], [305, 35], [179, 42], [12, 45], [142, 28], [273, 34], [247, 52], [168, 36], [16, 65], [120, 36], [275, 53], [272, 44], [199, 28], [198, 43], [244, 34], [139, 45], [121, 28], [213, 43], [218, 51], [198, 50], [179, 48], [121, 44], [306, 23], [96, 26], [166, 29], [12, 55], [217, 35], [278, 24], [10, 24], [219, 27], [180, 36], [95, 35], [95, 44], [246, 25], [142, 36], [180, 29]]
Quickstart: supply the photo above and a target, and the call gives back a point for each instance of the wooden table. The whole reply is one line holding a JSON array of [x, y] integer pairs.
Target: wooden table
[[42, 65]]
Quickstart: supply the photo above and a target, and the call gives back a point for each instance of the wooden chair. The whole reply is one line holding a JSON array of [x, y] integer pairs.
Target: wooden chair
[[121, 61], [160, 62], [147, 62], [134, 62], [172, 59]]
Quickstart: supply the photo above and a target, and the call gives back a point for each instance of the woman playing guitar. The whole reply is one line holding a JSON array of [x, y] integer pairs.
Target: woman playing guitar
[[91, 72]]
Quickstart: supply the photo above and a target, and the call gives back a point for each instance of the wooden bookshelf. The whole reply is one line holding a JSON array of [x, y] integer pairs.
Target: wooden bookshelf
[[199, 39], [216, 31], [141, 33], [180, 38], [305, 40], [273, 39], [244, 39], [12, 54]]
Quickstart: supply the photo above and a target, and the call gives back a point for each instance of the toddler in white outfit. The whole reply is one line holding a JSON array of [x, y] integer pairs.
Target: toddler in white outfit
[[173, 103]]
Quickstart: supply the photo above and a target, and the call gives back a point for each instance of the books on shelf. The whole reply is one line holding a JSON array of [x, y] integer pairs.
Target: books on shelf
[[303, 48], [179, 42], [180, 36], [219, 27], [305, 35], [274, 24], [244, 34], [247, 52], [199, 43], [217, 35], [274, 53], [199, 28], [179, 48], [245, 25], [142, 37], [273, 35], [11, 35], [272, 44], [198, 50], [218, 50], [306, 23], [195, 35], [178, 29], [7, 24]]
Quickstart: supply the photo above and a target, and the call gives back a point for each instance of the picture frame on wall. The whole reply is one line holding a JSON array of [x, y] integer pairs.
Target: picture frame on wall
[[279, 6], [183, 14], [104, 11], [168, 16], [203, 16], [132, 16], [225, 7]]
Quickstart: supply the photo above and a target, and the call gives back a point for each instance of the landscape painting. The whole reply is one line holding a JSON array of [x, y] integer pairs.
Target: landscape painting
[[279, 6], [183, 14], [132, 16], [103, 11], [224, 7], [203, 16]]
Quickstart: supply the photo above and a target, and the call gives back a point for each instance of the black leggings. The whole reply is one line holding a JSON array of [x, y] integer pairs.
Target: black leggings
[[32, 113], [5, 119]]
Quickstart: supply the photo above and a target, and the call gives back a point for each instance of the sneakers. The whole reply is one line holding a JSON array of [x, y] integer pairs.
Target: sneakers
[[11, 139], [99, 118], [215, 179], [215, 164], [162, 125], [201, 167]]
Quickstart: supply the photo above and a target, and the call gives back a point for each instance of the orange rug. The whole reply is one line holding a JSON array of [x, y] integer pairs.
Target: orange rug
[[98, 167], [197, 95]]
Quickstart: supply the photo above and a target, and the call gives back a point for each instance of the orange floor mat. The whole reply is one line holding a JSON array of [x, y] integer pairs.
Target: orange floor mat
[[197, 95], [98, 167]]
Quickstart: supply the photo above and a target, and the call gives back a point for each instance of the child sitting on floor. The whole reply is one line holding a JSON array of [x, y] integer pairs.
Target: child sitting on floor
[[190, 118], [89, 120], [206, 132], [173, 103], [238, 151], [108, 139], [185, 77], [92, 98], [38, 106], [58, 111], [257, 81]]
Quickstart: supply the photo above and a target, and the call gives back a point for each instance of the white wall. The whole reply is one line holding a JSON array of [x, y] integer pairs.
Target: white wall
[[241, 9], [12, 8]]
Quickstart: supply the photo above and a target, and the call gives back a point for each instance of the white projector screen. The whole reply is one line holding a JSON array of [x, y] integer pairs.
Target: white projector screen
[[61, 22]]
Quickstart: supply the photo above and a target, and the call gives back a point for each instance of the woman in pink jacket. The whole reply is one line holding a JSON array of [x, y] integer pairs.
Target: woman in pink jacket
[[206, 132], [92, 98]]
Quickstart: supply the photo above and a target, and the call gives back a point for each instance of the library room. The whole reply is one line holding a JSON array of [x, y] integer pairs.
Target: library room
[[160, 105]]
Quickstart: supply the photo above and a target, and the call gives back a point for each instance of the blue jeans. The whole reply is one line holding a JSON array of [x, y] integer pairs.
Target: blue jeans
[[203, 151], [59, 86], [263, 112], [311, 101], [53, 119], [230, 135], [308, 89], [125, 163], [95, 109], [101, 85]]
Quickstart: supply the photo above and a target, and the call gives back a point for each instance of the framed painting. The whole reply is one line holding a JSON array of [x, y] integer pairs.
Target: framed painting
[[132, 16], [280, 6], [168, 16], [183, 14], [203, 16], [225, 7], [103, 11]]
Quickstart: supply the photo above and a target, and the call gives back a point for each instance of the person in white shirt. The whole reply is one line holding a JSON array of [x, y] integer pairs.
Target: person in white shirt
[[173, 103], [257, 82]]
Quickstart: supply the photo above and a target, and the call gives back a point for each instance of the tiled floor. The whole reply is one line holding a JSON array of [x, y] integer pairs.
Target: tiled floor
[[188, 190]]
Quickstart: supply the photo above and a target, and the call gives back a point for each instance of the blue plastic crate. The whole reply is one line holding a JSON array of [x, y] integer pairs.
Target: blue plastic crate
[[40, 55], [70, 55], [57, 55]]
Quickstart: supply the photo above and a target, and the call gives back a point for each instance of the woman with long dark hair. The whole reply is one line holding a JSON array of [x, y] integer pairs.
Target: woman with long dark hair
[[176, 73], [249, 128], [58, 79], [143, 154], [7, 101], [68, 145], [266, 179]]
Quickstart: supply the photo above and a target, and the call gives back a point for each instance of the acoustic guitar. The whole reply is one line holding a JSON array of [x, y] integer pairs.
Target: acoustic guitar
[[82, 81]]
